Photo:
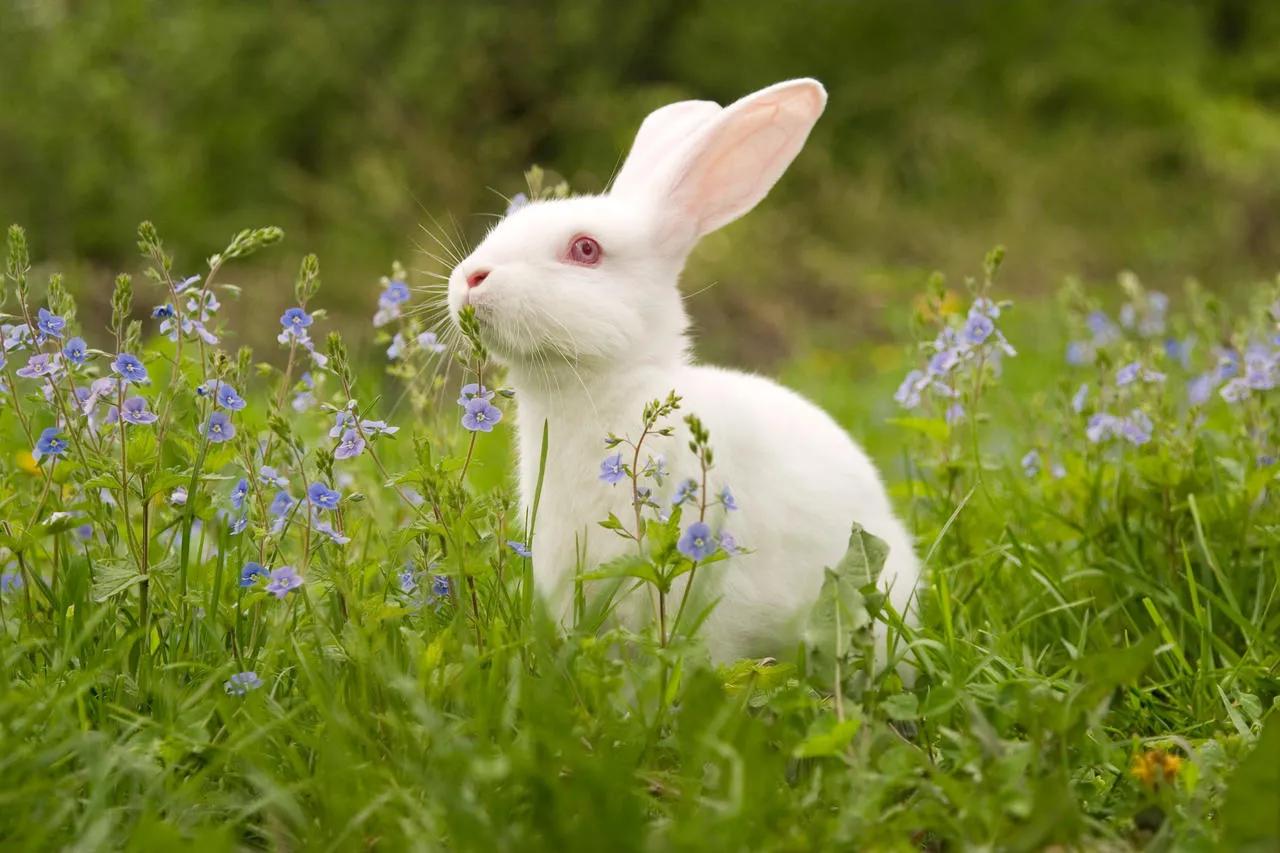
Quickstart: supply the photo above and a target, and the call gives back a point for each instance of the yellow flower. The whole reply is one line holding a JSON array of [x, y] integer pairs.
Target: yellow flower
[[1154, 767], [26, 462]]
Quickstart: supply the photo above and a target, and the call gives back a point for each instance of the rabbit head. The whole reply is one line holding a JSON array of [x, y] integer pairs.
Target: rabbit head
[[592, 280]]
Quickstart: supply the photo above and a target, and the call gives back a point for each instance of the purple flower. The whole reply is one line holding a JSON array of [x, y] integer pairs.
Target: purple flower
[[241, 683], [375, 428], [218, 428], [481, 415], [41, 364], [268, 475], [11, 582], [977, 328], [472, 391], [237, 527], [430, 342], [250, 573], [1200, 389], [134, 411], [50, 324], [1235, 390], [908, 393], [729, 543], [328, 530], [162, 312], [954, 414], [1133, 371], [520, 548], [439, 586], [1078, 353], [1137, 428], [1031, 463], [1079, 399], [128, 368], [281, 504], [1101, 427], [239, 493], [726, 498], [612, 469], [697, 543], [76, 351], [228, 398], [282, 581], [16, 336], [685, 491], [50, 443], [985, 307], [408, 580], [944, 361], [323, 497], [295, 322], [350, 446], [518, 201]]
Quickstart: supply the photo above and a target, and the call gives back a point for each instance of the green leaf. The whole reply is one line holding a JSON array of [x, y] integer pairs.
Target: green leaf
[[113, 578], [838, 628], [627, 566], [934, 428], [827, 737], [1251, 796], [901, 706]]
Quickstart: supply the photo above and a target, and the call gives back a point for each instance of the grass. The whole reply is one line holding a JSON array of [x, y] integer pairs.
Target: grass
[[1096, 660]]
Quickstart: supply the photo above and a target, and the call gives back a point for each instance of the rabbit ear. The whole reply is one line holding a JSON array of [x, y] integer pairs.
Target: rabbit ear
[[735, 159], [661, 136]]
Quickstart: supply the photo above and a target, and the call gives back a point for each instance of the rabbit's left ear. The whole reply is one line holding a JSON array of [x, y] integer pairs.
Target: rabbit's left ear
[[735, 158], [662, 135]]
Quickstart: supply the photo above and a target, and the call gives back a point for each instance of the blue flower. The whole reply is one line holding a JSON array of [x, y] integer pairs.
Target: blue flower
[[50, 443], [394, 292], [50, 324], [439, 586], [322, 496], [228, 398], [612, 469], [219, 428], [135, 411], [977, 328], [1101, 427], [697, 543], [1133, 371], [349, 446], [685, 491], [295, 322], [239, 493], [162, 312], [726, 498], [1078, 353], [241, 683], [250, 573], [11, 582], [1031, 463], [282, 581], [954, 414], [408, 580], [129, 368], [481, 415], [76, 351], [281, 504], [520, 548], [985, 307]]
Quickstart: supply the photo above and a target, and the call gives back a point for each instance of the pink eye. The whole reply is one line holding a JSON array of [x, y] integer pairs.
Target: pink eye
[[585, 251]]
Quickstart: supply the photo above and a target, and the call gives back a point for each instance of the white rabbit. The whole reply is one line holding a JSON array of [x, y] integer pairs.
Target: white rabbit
[[578, 297]]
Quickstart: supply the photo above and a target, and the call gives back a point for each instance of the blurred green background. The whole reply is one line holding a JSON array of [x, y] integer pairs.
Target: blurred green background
[[1087, 137]]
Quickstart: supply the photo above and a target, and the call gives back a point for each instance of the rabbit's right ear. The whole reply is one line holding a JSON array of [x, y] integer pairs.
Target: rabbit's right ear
[[728, 161], [662, 135]]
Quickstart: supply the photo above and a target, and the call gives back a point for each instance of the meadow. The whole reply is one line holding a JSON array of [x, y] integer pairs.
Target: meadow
[[281, 600]]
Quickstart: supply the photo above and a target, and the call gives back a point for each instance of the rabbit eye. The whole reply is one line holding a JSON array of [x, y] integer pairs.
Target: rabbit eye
[[585, 251]]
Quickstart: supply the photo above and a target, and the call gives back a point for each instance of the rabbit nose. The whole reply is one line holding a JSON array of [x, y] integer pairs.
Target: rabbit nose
[[477, 278]]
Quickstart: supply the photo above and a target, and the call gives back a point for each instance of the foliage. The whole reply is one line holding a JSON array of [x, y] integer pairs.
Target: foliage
[[275, 620]]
